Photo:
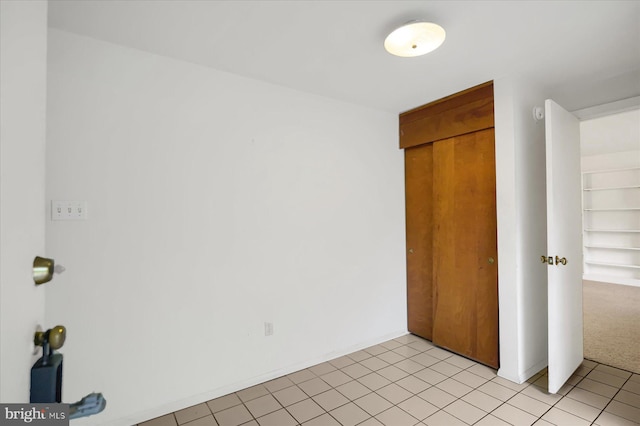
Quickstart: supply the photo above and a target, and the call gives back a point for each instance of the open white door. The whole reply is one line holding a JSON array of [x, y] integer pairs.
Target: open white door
[[564, 241]]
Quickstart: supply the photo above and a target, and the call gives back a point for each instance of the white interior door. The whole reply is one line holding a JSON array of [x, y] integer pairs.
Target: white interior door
[[564, 241]]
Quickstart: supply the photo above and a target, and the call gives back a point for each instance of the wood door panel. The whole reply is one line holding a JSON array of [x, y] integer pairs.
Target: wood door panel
[[464, 239], [465, 112], [475, 116], [419, 223], [487, 301]]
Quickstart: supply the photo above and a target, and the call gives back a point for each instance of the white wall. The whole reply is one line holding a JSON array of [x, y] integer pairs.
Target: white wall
[[614, 160], [616, 132], [521, 210], [23, 43], [215, 203]]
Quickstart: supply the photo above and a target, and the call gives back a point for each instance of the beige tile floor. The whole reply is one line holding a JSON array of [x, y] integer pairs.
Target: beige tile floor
[[407, 381]]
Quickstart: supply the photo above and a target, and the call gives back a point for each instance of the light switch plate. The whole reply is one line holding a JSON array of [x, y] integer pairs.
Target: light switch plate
[[68, 210]]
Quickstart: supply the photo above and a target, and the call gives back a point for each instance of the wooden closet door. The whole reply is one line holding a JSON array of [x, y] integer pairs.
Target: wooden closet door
[[418, 163], [465, 270]]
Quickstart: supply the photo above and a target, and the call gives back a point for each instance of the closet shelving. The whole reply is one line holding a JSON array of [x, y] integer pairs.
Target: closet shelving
[[611, 217]]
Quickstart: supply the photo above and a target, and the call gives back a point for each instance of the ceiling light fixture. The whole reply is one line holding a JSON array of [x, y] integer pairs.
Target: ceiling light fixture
[[414, 38]]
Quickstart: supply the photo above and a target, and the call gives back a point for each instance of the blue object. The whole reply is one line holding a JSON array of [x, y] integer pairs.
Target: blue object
[[46, 385], [46, 379], [87, 406]]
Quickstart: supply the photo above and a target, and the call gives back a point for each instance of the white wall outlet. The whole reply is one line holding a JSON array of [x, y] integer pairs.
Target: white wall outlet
[[268, 328], [68, 210]]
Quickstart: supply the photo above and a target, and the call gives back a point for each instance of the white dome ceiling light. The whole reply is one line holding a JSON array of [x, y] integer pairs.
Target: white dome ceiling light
[[414, 38]]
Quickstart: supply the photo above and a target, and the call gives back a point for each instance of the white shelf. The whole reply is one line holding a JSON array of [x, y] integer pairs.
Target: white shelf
[[626, 209], [609, 188], [611, 232], [611, 247], [616, 265], [614, 230], [626, 169]]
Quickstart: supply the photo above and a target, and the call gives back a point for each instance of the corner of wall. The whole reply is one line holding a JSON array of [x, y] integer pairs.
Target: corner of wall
[[521, 227]]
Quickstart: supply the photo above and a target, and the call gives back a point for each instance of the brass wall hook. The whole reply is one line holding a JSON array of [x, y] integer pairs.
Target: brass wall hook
[[43, 269]]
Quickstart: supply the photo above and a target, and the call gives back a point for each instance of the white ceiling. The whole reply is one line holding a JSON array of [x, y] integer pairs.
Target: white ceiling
[[585, 52]]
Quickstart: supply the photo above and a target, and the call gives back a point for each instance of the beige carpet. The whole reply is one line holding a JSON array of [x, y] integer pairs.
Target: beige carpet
[[612, 324]]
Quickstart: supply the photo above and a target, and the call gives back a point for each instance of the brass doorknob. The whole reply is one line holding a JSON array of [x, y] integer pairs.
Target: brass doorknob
[[545, 259], [559, 261], [54, 336], [410, 251], [491, 260]]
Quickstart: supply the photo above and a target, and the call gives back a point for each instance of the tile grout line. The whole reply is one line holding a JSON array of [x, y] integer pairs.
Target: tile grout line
[[614, 395], [476, 388], [601, 410], [551, 406], [432, 386], [576, 385], [371, 391], [391, 382], [435, 385], [566, 396]]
